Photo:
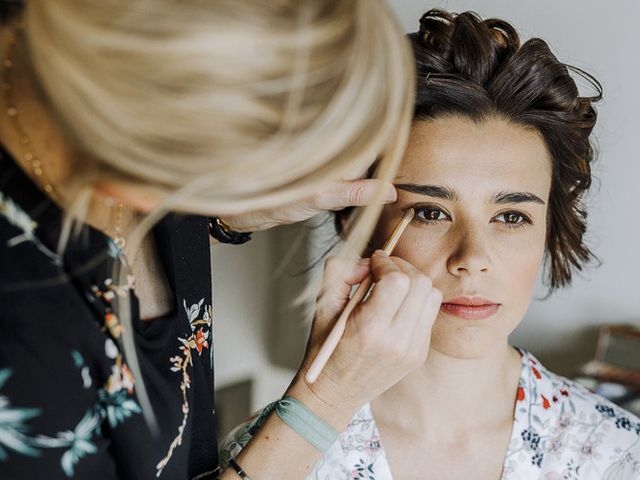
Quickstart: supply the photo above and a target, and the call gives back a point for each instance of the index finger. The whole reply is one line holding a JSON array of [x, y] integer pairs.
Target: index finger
[[354, 193]]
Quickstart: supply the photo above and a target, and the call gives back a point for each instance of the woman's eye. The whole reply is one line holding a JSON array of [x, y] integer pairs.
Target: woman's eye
[[430, 214], [513, 218]]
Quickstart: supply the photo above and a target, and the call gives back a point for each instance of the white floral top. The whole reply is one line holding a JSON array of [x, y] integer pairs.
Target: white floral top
[[561, 431]]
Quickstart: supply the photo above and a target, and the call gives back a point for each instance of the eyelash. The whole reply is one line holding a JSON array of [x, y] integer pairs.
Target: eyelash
[[524, 219], [427, 209]]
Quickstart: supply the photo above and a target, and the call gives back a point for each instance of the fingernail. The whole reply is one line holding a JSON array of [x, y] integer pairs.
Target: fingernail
[[392, 195], [380, 253]]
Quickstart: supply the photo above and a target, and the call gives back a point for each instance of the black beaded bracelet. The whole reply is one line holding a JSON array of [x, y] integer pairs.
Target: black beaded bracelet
[[222, 233], [238, 469]]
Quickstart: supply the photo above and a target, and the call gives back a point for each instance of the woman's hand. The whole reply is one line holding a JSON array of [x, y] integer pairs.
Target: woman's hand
[[341, 194], [387, 336]]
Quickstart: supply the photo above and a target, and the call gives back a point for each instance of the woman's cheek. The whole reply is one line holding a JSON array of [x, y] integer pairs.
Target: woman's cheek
[[421, 249], [523, 260]]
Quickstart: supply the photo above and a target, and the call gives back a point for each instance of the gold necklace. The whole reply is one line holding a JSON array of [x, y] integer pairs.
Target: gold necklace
[[117, 231], [12, 111]]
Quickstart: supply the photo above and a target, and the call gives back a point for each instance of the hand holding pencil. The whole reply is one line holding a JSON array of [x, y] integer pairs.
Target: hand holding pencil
[[363, 344], [338, 329]]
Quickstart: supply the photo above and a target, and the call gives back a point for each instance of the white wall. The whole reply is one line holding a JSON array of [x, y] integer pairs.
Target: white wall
[[243, 306], [602, 38], [589, 34]]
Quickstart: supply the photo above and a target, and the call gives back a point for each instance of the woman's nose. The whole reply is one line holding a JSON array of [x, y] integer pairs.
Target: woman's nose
[[470, 255]]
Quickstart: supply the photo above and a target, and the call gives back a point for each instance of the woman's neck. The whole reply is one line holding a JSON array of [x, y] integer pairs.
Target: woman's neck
[[451, 398], [58, 159], [26, 125], [46, 140]]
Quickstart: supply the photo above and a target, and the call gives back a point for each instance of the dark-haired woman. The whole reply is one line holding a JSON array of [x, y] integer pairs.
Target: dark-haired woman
[[498, 161]]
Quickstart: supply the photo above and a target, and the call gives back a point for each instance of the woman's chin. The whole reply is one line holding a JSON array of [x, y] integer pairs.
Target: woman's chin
[[466, 341]]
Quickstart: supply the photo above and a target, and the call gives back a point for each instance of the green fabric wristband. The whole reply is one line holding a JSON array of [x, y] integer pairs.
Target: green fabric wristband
[[306, 423], [300, 419]]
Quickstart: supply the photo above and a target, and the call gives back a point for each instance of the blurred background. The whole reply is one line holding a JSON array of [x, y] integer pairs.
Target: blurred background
[[259, 334]]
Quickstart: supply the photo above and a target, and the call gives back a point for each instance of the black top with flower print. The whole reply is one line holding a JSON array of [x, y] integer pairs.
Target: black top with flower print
[[68, 404]]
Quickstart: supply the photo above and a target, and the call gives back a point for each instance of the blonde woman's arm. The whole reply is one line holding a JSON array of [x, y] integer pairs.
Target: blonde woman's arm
[[386, 338]]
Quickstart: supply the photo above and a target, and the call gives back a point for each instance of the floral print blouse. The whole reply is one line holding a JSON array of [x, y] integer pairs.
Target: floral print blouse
[[561, 431], [68, 401]]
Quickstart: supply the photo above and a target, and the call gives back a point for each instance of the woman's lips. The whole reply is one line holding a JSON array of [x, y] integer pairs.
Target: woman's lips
[[470, 308]]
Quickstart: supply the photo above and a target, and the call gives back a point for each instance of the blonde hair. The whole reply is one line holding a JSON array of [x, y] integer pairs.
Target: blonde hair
[[228, 106]]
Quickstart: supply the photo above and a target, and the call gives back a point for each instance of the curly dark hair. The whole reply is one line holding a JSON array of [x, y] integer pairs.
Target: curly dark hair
[[479, 69]]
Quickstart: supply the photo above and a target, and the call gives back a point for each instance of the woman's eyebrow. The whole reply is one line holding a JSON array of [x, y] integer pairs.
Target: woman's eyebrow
[[429, 190], [517, 197], [447, 193]]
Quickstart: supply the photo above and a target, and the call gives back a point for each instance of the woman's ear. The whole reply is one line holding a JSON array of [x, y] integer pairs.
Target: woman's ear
[[341, 221], [342, 218]]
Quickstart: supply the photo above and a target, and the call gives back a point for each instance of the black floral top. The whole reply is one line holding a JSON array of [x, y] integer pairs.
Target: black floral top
[[68, 404]]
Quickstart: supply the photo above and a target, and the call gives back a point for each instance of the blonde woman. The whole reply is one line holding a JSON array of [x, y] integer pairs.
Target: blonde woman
[[124, 124]]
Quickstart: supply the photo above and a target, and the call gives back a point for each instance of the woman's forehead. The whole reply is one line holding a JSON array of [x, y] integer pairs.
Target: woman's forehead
[[493, 154]]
